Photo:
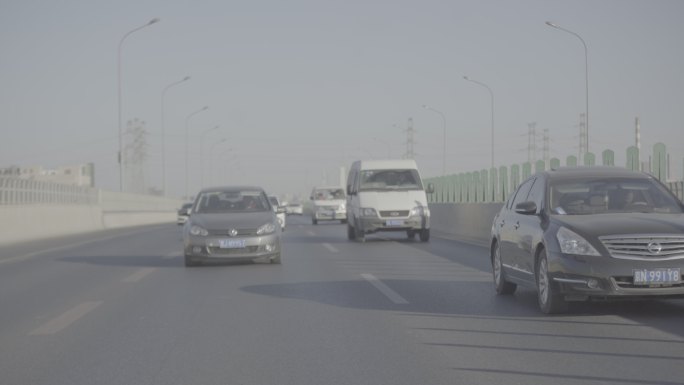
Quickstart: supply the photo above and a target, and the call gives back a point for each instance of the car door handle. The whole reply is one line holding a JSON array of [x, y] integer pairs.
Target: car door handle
[[516, 225]]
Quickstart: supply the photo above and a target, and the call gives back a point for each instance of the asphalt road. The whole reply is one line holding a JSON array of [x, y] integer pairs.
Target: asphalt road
[[118, 307]]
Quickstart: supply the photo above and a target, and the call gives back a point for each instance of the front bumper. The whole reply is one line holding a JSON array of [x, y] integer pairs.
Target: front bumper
[[375, 224], [330, 215], [604, 276], [257, 247]]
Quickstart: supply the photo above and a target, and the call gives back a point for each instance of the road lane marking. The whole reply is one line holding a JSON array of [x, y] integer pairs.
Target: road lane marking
[[384, 289], [331, 248], [67, 318], [139, 274], [69, 246], [310, 233]]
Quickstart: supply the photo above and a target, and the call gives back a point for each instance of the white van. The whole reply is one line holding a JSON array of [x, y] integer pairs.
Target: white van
[[329, 204], [387, 195]]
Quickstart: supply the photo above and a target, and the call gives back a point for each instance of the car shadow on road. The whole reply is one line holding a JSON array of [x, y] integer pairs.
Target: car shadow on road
[[459, 299]]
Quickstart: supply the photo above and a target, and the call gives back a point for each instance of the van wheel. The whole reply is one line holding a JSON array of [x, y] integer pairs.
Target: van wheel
[[424, 235], [360, 235], [351, 233]]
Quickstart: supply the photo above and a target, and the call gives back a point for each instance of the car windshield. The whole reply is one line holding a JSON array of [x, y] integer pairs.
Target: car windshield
[[328, 194], [213, 202], [617, 195], [382, 180]]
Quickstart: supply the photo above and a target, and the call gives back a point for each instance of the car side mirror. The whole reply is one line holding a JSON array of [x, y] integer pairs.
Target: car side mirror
[[280, 210], [430, 188], [526, 208]]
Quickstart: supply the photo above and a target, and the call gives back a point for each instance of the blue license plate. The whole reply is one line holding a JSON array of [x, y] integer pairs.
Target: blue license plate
[[232, 243], [657, 276], [394, 222]]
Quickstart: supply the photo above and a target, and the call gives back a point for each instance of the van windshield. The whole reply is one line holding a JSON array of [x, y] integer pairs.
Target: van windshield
[[390, 180]]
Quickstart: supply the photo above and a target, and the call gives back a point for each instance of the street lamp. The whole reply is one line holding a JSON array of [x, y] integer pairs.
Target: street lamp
[[163, 135], [492, 96], [202, 150], [443, 139], [187, 120], [586, 74], [155, 20]]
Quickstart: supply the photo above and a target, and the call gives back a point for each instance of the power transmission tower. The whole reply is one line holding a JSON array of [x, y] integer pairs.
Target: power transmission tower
[[135, 155], [531, 142]]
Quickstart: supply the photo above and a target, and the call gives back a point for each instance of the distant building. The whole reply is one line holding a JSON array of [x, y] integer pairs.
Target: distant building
[[79, 175]]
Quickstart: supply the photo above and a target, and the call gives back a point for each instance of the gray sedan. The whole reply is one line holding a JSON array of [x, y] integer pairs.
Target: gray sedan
[[584, 233], [231, 223]]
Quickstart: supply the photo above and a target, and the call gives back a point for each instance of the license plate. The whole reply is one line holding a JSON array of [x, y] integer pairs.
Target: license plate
[[657, 276], [232, 243], [394, 222]]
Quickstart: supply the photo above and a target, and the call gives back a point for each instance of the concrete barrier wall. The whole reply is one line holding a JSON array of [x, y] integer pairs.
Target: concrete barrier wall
[[30, 222], [469, 222]]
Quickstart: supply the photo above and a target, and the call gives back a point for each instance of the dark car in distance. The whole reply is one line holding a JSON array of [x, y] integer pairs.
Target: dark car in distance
[[582, 233]]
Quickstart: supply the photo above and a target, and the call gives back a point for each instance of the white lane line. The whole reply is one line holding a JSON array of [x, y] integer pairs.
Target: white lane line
[[384, 289], [67, 318], [139, 274], [331, 248], [311, 233], [69, 246]]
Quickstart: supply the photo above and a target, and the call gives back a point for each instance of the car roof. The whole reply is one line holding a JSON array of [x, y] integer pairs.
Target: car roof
[[594, 172], [388, 164]]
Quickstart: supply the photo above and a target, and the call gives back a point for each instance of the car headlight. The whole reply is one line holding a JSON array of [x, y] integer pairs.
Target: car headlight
[[268, 228], [343, 207], [419, 211], [571, 243], [197, 230], [368, 212]]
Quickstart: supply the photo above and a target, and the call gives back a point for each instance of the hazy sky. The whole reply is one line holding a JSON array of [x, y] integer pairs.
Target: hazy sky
[[300, 88]]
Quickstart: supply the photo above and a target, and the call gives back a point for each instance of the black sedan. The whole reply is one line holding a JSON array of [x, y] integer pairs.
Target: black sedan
[[582, 233]]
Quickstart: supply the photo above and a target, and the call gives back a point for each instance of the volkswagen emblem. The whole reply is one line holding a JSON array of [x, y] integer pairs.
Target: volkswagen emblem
[[233, 232], [654, 248], [394, 214]]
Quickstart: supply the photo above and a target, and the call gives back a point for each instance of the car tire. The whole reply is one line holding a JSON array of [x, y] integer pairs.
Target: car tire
[[189, 262], [550, 299], [276, 260], [314, 221], [502, 286], [360, 235], [424, 235], [351, 232], [343, 221]]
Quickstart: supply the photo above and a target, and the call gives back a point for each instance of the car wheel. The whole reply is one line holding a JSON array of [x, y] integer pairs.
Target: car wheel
[[549, 298], [276, 260], [351, 233], [189, 262], [360, 235], [502, 286], [314, 221], [424, 235], [343, 221]]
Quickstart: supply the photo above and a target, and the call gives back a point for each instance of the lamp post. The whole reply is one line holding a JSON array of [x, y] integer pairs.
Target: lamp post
[[202, 150], [586, 74], [443, 139], [118, 70], [187, 120], [491, 94], [163, 133]]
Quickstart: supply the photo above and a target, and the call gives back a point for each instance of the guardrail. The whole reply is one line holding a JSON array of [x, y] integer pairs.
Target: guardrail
[[16, 191]]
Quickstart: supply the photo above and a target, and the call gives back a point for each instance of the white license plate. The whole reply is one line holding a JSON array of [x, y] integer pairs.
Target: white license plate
[[394, 222], [232, 243], [657, 276]]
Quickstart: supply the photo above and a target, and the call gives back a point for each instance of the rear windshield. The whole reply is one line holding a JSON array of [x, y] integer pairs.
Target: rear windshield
[[328, 194], [614, 195], [390, 180], [231, 201]]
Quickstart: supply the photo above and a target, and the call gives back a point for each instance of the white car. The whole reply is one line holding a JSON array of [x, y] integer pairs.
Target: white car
[[295, 209], [275, 203], [329, 204]]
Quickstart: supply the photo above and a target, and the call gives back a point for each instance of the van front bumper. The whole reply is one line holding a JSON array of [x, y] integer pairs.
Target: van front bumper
[[372, 225]]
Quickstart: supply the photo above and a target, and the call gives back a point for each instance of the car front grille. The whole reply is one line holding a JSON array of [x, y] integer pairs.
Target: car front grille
[[645, 247], [394, 213], [245, 250], [240, 232]]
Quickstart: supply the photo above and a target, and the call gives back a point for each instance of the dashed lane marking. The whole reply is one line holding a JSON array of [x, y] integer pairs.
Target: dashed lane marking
[[67, 318], [384, 289]]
